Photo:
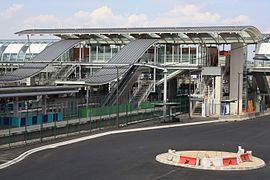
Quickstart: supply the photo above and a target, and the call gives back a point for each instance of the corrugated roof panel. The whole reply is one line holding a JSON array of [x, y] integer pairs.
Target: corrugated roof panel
[[129, 54], [53, 51], [13, 48]]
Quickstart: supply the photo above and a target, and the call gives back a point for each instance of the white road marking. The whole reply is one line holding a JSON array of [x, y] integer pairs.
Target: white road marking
[[55, 145]]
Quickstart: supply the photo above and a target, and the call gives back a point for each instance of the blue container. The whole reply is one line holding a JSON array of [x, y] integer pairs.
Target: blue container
[[6, 121], [34, 120], [23, 121], [15, 122], [55, 117], [45, 118]]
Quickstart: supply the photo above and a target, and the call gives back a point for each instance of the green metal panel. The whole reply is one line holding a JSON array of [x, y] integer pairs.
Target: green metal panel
[[93, 112], [84, 112]]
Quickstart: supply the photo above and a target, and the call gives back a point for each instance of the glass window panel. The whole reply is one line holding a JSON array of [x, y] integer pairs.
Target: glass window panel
[[100, 53], [107, 53], [169, 53], [6, 57], [93, 53]]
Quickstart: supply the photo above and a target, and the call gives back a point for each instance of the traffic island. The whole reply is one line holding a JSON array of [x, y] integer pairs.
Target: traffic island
[[212, 160]]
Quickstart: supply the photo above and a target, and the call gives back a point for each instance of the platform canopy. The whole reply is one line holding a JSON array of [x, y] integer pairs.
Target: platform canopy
[[181, 35]]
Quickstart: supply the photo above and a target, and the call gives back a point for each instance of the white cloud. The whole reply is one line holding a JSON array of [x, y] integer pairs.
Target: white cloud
[[188, 14], [12, 10], [40, 21], [102, 16], [181, 15], [135, 20], [238, 20]]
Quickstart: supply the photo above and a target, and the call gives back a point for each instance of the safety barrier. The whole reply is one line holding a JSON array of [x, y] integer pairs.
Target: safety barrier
[[188, 160], [229, 161], [208, 159]]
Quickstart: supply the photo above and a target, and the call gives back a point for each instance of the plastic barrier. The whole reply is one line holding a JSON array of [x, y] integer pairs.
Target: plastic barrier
[[188, 160], [245, 157], [230, 161]]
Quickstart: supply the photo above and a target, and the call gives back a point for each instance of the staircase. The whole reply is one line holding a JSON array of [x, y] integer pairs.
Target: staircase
[[142, 92], [262, 83], [63, 72], [124, 85], [203, 91], [197, 108]]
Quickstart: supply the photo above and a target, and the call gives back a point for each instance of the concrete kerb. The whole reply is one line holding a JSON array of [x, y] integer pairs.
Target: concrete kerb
[[245, 116], [55, 145]]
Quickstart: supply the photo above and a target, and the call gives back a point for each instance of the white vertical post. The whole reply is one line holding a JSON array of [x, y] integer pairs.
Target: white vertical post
[[173, 53], [96, 52], [89, 54], [165, 94], [197, 55], [155, 70], [165, 55], [80, 53], [189, 55], [104, 53], [218, 94], [181, 53]]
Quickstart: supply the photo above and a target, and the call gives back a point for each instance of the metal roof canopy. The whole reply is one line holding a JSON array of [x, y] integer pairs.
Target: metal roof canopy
[[41, 61], [181, 35], [36, 91]]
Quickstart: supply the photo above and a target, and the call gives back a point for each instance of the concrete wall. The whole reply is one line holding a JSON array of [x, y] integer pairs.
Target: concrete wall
[[236, 67]]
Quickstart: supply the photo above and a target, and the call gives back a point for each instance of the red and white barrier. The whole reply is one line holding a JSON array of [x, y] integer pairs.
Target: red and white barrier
[[207, 162]]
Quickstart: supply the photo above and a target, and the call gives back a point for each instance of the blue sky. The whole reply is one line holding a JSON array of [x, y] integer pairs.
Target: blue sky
[[17, 15]]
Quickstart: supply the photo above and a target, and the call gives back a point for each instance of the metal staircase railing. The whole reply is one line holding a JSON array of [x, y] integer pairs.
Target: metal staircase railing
[[68, 72], [59, 71], [111, 98], [147, 92]]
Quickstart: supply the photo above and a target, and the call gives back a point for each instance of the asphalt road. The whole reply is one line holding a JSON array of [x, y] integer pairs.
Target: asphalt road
[[131, 156]]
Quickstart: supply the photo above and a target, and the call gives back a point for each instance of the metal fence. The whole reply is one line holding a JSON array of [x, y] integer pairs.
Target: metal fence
[[73, 117]]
